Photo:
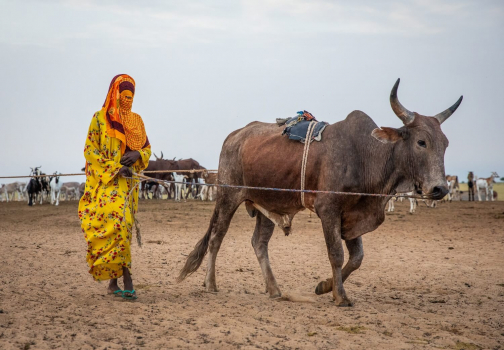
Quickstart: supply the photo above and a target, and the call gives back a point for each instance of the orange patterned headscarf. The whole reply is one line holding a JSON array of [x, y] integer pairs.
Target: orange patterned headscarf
[[121, 122]]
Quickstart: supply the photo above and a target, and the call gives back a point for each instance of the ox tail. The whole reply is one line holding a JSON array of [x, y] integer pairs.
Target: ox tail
[[195, 258]]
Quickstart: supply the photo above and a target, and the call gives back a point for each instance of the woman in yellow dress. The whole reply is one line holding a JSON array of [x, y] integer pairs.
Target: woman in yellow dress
[[116, 146]]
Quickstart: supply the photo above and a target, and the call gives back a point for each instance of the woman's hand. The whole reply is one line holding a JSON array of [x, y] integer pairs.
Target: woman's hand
[[125, 172], [130, 158]]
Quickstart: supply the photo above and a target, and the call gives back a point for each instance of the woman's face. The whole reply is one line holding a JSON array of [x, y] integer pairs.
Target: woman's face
[[126, 100]]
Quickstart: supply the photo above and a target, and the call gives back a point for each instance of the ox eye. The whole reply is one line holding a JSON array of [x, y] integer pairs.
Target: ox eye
[[422, 143]]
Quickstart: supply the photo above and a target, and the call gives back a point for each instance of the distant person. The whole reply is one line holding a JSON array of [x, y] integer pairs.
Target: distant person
[[116, 145], [470, 185]]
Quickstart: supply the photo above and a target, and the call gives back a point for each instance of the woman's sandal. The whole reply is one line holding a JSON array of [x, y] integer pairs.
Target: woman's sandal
[[131, 296]]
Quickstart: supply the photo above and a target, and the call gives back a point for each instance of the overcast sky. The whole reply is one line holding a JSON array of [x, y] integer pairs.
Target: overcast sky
[[206, 68]]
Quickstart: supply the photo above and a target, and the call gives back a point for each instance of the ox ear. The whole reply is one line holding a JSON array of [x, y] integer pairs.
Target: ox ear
[[387, 135]]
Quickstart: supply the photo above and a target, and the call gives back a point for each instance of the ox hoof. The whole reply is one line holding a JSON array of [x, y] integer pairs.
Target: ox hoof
[[345, 303], [276, 295], [211, 289], [323, 288]]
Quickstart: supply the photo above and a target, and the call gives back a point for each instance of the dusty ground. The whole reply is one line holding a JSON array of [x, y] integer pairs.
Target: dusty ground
[[430, 280]]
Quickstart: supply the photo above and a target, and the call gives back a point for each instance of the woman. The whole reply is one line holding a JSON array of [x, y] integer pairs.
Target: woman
[[116, 146]]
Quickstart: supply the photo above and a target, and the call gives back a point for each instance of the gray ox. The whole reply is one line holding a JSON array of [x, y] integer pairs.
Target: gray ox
[[354, 156]]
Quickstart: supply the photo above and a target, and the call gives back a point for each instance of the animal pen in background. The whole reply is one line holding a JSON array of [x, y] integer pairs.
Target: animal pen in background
[[41, 189], [486, 189], [166, 170]]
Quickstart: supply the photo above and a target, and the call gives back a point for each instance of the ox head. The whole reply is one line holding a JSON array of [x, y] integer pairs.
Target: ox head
[[420, 146], [158, 158]]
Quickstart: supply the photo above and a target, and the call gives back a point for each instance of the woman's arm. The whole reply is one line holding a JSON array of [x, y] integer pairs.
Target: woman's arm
[[102, 168]]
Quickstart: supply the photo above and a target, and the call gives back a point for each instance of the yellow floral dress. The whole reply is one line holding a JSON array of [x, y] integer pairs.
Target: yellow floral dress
[[106, 230]]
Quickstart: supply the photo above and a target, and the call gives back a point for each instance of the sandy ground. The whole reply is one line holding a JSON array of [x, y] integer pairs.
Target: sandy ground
[[430, 280]]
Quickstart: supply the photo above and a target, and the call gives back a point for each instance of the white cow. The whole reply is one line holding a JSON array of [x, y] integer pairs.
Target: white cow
[[179, 187], [55, 185], [487, 185], [203, 193], [210, 191], [413, 202]]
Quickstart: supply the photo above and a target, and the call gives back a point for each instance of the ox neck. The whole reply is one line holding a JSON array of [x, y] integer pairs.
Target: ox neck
[[389, 175]]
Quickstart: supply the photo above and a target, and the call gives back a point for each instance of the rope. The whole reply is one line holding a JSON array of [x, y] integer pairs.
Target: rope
[[130, 205], [146, 172], [180, 171], [141, 178], [18, 177], [146, 178], [309, 133]]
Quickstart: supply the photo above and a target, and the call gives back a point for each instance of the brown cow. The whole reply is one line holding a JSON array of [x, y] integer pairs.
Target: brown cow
[[208, 192], [354, 156], [156, 165]]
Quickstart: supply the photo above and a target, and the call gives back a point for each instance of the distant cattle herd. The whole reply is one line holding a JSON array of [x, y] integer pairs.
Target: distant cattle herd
[[50, 188]]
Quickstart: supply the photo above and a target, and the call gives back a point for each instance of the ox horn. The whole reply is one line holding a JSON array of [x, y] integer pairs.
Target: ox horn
[[161, 154], [157, 158], [447, 113], [406, 116]]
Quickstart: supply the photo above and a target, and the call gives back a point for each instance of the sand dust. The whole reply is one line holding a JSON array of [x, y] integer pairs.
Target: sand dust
[[430, 280]]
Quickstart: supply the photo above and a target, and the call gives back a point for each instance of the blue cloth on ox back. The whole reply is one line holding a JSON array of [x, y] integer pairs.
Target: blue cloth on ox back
[[296, 127]]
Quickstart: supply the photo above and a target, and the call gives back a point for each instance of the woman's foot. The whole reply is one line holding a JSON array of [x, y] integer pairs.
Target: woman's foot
[[129, 292], [113, 288]]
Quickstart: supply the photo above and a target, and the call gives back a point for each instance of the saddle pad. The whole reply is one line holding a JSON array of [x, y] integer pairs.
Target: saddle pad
[[296, 129]]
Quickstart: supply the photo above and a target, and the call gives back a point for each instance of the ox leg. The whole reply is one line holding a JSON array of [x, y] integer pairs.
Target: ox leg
[[412, 205], [170, 191], [262, 234], [142, 190], [391, 205], [356, 251], [225, 208], [331, 225], [185, 193], [479, 196]]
